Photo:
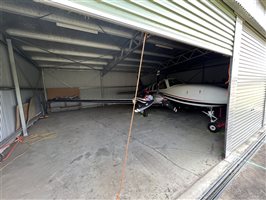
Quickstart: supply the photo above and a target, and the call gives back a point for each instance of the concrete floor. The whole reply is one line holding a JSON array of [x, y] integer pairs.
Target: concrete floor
[[168, 153], [251, 181]]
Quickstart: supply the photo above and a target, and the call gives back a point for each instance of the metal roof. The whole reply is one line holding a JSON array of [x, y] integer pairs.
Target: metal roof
[[240, 8], [55, 38]]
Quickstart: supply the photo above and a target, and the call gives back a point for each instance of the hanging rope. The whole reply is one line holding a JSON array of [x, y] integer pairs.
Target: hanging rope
[[123, 173]]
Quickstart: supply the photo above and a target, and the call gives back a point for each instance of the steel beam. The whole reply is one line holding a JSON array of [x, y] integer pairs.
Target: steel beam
[[113, 101], [37, 12], [132, 44], [17, 89], [101, 86], [44, 86], [184, 57], [44, 92], [59, 56], [60, 39], [21, 53], [31, 48], [67, 60], [86, 69], [67, 52]]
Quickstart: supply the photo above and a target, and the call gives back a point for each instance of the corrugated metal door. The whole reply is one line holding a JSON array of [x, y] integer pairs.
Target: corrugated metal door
[[264, 120], [1, 117], [246, 111], [205, 24]]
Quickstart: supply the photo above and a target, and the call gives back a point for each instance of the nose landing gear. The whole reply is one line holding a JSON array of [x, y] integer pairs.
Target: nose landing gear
[[215, 124]]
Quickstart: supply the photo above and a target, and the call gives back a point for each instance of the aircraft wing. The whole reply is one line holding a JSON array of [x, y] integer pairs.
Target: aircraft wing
[[107, 101]]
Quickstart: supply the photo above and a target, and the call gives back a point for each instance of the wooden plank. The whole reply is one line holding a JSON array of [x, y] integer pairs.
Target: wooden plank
[[25, 110], [32, 109], [62, 92]]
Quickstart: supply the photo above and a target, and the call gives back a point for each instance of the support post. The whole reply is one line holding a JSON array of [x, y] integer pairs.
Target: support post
[[44, 92], [16, 84], [101, 88], [101, 85], [44, 87]]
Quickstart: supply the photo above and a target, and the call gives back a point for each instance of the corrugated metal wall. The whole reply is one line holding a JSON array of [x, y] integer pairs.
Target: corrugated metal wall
[[264, 119], [89, 83], [28, 77], [206, 24], [8, 113], [246, 111]]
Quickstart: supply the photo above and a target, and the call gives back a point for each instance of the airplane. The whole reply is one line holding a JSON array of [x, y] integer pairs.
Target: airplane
[[170, 92]]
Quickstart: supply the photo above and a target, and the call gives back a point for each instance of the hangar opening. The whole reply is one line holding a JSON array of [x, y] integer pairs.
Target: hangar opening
[[78, 73]]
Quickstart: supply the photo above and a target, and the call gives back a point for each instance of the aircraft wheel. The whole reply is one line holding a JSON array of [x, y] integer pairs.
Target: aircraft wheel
[[212, 126], [145, 114]]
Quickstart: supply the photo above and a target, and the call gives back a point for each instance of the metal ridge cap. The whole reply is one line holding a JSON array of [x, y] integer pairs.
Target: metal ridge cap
[[242, 12]]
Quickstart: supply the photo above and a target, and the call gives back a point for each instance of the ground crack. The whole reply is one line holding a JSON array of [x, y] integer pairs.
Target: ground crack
[[154, 149], [164, 156]]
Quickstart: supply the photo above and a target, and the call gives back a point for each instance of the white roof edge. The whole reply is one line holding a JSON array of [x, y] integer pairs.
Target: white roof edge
[[263, 2], [243, 13]]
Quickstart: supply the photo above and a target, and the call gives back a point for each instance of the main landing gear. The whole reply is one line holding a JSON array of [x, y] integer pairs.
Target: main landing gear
[[215, 124], [169, 105]]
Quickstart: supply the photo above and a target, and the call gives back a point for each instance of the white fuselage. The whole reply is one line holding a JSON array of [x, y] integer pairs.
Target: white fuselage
[[195, 94]]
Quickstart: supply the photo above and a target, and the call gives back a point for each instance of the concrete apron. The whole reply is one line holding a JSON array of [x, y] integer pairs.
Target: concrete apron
[[84, 159], [206, 182]]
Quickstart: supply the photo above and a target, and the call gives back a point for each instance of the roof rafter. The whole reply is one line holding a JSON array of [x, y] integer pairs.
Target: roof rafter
[[184, 57], [131, 45], [42, 14]]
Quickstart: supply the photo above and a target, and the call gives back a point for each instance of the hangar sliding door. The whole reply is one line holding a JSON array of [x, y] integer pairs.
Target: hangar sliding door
[[206, 24], [1, 117], [247, 96], [264, 120]]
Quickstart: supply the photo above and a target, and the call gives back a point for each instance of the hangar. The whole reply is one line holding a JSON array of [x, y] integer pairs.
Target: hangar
[[92, 51]]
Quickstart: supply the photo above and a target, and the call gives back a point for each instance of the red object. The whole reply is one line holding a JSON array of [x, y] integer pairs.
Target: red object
[[220, 124], [146, 91], [19, 139], [220, 112]]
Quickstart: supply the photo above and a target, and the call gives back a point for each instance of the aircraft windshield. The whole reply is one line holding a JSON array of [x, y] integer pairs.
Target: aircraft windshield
[[174, 82], [162, 85]]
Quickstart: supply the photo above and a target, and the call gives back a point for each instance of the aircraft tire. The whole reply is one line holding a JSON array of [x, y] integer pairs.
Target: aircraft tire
[[145, 114], [212, 126]]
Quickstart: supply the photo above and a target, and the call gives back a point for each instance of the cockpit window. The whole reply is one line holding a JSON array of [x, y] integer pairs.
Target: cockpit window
[[154, 86], [162, 85], [174, 82]]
